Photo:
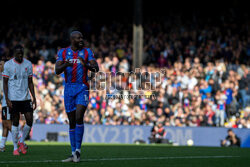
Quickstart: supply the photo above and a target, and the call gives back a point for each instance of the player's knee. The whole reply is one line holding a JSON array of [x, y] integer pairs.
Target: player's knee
[[7, 125], [79, 121], [5, 132], [4, 123], [72, 125], [29, 123]]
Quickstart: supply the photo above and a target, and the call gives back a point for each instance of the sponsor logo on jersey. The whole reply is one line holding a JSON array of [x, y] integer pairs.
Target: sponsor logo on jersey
[[74, 60]]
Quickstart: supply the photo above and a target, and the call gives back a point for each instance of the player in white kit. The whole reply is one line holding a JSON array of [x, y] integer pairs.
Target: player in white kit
[[17, 83], [6, 121]]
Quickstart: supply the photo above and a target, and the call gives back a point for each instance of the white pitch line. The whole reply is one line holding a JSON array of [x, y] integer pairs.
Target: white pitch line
[[122, 158]]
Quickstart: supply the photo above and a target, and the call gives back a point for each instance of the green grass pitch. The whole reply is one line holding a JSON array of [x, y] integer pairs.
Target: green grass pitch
[[41, 154]]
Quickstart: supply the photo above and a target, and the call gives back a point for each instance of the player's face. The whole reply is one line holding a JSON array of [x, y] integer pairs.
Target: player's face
[[78, 40], [230, 133], [19, 55]]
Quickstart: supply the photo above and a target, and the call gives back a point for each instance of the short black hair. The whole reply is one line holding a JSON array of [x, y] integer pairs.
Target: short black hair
[[18, 46], [229, 130], [75, 32]]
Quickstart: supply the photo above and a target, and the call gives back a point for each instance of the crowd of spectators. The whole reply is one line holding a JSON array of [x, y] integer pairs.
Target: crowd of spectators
[[206, 79]]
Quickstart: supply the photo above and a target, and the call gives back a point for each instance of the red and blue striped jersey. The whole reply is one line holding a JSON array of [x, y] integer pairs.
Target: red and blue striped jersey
[[76, 73]]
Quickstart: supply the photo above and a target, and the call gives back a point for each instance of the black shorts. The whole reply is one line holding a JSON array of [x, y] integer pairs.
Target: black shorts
[[22, 106], [6, 113]]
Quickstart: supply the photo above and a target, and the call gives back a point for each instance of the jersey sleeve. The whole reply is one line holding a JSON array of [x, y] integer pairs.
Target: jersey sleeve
[[30, 71], [59, 55], [91, 54], [6, 71]]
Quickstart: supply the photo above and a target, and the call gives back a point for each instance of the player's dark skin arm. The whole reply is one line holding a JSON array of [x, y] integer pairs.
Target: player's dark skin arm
[[61, 66], [92, 66], [5, 89], [32, 91], [233, 139]]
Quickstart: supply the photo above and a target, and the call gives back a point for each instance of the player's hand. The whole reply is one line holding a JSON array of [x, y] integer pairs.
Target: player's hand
[[34, 104], [233, 135], [82, 61], [9, 104], [68, 63]]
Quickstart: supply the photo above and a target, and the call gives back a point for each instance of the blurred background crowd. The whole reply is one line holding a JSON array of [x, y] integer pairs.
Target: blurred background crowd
[[206, 64]]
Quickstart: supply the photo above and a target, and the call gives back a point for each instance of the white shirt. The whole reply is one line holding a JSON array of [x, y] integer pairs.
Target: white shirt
[[18, 74], [184, 81], [192, 83]]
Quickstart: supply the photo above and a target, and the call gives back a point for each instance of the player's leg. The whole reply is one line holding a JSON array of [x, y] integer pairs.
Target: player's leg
[[72, 126], [22, 123], [28, 114], [82, 101], [27, 127], [80, 110], [15, 116], [70, 107], [6, 124], [79, 131], [4, 136]]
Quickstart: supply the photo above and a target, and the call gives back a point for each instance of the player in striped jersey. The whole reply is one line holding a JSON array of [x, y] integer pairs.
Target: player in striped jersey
[[75, 61]]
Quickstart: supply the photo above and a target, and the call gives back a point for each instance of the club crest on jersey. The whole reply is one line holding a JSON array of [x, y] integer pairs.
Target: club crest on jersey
[[69, 53], [26, 69], [81, 54]]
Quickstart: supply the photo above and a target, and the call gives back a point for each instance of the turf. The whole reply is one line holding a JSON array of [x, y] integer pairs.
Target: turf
[[116, 155]]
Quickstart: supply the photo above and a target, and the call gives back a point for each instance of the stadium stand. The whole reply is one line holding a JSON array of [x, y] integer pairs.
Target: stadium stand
[[207, 81]]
